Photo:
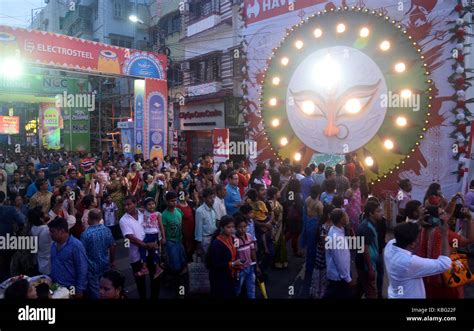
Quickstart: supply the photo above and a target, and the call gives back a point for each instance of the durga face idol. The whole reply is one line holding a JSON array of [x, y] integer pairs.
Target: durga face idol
[[333, 100]]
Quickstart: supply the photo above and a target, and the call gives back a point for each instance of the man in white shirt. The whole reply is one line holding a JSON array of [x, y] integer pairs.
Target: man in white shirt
[[206, 222], [131, 225], [338, 259], [403, 196], [219, 204], [405, 270]]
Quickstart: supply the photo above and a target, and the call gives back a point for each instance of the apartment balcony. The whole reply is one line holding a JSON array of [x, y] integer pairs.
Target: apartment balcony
[[78, 22], [203, 89], [202, 24]]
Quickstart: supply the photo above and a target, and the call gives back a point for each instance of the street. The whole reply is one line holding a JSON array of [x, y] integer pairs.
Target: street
[[282, 284]]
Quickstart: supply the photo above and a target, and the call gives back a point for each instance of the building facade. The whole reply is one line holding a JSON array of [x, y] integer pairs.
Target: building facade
[[211, 70]]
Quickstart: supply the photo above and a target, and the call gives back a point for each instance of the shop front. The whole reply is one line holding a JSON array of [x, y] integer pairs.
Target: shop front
[[55, 85], [197, 122]]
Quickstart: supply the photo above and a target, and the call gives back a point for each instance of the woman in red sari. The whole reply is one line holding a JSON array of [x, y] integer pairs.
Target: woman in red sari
[[430, 247], [188, 223], [133, 178]]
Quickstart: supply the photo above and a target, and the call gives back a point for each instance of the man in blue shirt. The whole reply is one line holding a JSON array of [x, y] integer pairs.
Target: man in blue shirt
[[232, 200], [32, 188], [43, 165], [206, 222], [338, 258], [100, 249], [68, 258], [54, 169], [306, 183], [72, 178]]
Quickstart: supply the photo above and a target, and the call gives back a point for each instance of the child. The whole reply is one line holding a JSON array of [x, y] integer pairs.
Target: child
[[319, 280], [154, 232], [110, 211], [247, 211], [246, 254]]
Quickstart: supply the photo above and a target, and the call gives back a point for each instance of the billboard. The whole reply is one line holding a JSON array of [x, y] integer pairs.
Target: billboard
[[9, 124], [58, 50]]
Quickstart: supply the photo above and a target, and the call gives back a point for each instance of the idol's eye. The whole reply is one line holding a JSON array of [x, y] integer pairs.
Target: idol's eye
[[354, 106], [356, 100], [309, 103]]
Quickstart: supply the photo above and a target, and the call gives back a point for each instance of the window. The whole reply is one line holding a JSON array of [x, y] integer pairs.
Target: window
[[175, 76], [118, 9], [121, 42], [206, 70], [202, 9], [171, 24]]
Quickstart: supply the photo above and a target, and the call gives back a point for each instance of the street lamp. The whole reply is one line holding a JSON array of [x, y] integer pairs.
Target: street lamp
[[135, 19], [11, 68]]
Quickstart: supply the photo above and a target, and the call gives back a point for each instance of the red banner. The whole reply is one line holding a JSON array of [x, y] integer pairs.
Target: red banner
[[63, 51], [9, 124], [259, 10], [220, 140]]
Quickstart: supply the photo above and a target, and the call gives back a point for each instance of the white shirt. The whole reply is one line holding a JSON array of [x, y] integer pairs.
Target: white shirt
[[219, 207], [130, 225], [206, 222], [109, 213], [405, 271], [43, 255], [338, 260]]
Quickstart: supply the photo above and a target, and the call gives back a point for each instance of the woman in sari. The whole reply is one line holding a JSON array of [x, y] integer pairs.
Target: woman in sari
[[319, 280], [116, 189], [312, 212], [222, 260], [430, 242], [354, 209], [185, 176], [188, 224], [278, 234], [133, 178], [150, 188]]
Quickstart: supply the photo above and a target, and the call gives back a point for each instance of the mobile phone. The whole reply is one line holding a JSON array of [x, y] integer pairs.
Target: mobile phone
[[346, 202]]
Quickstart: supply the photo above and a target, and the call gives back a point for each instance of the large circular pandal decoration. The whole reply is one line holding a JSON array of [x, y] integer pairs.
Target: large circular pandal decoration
[[347, 80]]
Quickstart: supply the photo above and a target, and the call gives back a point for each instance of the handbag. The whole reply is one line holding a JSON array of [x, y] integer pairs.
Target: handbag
[[459, 274], [198, 277]]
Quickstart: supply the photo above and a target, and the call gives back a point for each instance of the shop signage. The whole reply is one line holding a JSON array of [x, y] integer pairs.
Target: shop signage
[[202, 117], [58, 50], [9, 124]]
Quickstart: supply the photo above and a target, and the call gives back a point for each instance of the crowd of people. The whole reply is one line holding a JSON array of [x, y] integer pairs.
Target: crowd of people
[[238, 223]]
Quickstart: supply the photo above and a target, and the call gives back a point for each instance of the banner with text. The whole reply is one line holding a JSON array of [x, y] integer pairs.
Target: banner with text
[[51, 123], [156, 117], [64, 51]]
